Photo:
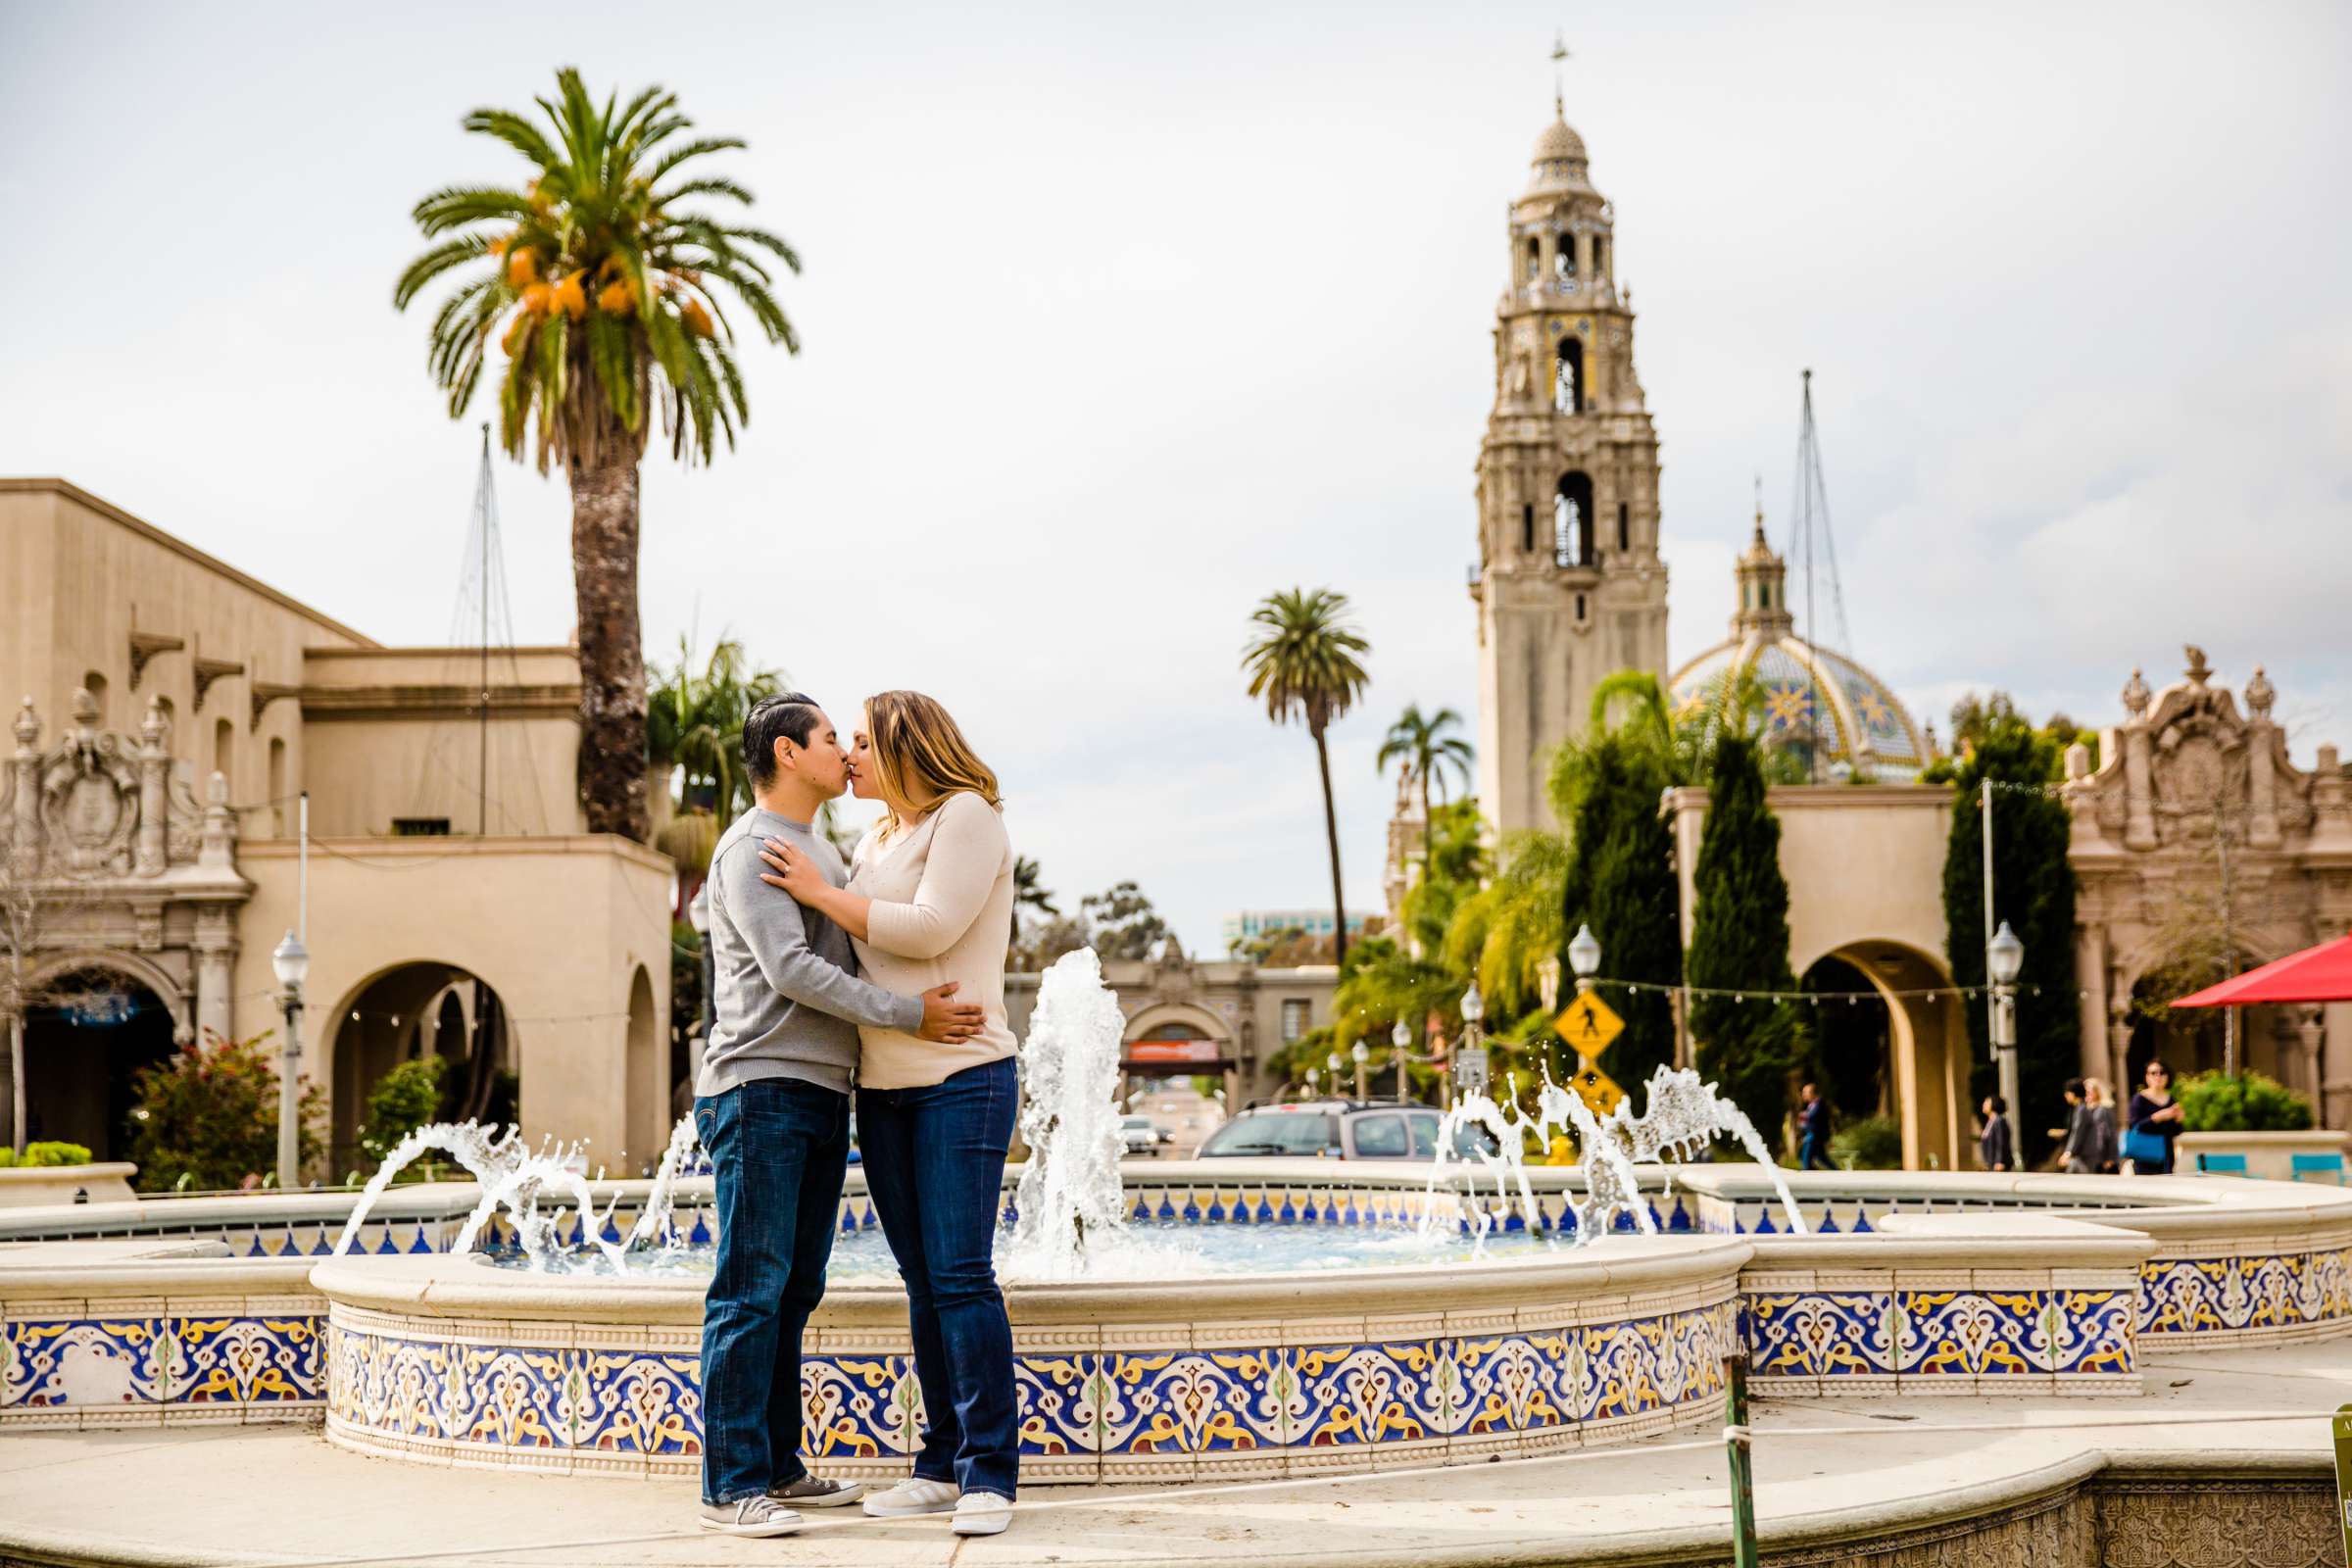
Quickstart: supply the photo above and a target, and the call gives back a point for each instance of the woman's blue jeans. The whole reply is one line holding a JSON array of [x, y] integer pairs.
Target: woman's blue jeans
[[935, 1167], [778, 1148]]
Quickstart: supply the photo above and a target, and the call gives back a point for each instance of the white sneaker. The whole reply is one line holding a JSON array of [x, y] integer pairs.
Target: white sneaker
[[982, 1513], [911, 1496]]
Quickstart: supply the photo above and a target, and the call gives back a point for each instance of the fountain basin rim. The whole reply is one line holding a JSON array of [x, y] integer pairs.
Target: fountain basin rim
[[471, 1287]]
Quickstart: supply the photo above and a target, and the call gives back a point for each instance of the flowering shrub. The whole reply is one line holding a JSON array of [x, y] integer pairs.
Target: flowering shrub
[[207, 1116]]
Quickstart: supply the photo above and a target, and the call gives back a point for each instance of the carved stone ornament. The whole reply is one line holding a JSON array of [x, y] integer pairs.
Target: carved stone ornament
[[2197, 669], [90, 799], [2260, 694], [2137, 695]]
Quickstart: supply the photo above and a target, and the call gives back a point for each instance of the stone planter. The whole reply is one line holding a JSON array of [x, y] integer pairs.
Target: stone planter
[[2269, 1155], [40, 1186]]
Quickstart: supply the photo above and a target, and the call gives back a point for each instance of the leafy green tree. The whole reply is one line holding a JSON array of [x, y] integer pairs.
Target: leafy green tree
[[1029, 892], [1620, 881], [602, 283], [1502, 933], [1307, 663], [1426, 747], [1458, 866], [1121, 923], [402, 1101], [2033, 890], [207, 1116], [1740, 944]]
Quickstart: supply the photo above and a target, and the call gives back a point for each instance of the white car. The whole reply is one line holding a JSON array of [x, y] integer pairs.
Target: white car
[[1138, 1137]]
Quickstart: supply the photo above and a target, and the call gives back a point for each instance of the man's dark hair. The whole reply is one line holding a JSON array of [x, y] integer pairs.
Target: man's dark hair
[[791, 716], [2074, 1087], [2001, 1106]]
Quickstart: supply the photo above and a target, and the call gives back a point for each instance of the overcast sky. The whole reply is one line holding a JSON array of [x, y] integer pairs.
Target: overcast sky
[[1118, 319]]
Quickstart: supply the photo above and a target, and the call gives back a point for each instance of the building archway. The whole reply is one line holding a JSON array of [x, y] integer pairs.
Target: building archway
[[1922, 1068], [649, 1092], [98, 1025], [407, 1011], [1178, 1041]]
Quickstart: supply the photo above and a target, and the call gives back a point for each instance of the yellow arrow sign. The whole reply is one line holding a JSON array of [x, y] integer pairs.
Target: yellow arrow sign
[[1588, 1025]]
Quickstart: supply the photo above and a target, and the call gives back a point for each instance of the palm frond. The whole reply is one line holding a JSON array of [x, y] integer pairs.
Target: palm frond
[[455, 206], [516, 132]]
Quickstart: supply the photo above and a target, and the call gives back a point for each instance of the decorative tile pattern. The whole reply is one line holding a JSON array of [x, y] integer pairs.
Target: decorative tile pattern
[[1249, 1408], [2045, 1331], [2279, 1292]]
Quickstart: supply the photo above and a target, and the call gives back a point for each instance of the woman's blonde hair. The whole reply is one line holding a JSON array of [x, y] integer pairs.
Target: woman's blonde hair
[[921, 757]]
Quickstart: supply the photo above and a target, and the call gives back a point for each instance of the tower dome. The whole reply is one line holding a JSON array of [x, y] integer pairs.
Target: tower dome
[[1558, 159], [1807, 698], [1558, 141]]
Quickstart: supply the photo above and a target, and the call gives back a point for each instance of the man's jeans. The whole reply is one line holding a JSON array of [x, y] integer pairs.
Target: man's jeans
[[778, 1147], [935, 1169]]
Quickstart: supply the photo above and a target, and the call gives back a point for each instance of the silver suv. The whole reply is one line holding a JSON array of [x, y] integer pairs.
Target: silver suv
[[1337, 1130]]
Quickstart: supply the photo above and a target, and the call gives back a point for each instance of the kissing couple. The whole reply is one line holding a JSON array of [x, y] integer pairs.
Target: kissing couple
[[888, 972]]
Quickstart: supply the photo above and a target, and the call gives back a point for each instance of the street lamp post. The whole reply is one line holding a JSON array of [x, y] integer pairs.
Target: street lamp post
[[1583, 957], [1401, 1037], [1362, 1056], [292, 962], [2004, 957], [1470, 1054], [1334, 1066]]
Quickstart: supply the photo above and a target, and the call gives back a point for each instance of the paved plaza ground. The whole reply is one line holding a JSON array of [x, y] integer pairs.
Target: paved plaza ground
[[280, 1496]]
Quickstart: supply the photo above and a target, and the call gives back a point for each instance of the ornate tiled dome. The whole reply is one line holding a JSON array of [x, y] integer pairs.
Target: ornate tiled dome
[[1810, 694], [1558, 141]]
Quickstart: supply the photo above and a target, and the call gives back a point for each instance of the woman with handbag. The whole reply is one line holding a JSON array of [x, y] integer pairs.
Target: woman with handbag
[[2152, 1123]]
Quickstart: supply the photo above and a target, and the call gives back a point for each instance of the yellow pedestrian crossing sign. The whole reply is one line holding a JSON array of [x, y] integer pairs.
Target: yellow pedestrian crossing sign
[[1588, 1025]]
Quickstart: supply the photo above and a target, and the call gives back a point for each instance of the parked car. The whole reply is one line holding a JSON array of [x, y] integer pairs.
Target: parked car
[[1339, 1130], [1136, 1136]]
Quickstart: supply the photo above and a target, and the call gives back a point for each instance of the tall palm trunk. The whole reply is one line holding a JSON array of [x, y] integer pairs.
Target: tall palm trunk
[[604, 574], [1330, 832]]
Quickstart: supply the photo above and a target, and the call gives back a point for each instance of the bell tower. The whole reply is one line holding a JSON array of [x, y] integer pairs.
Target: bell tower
[[1569, 586]]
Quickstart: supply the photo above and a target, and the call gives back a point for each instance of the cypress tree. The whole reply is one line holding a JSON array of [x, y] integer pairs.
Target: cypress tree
[[2033, 890], [1739, 943], [1621, 882]]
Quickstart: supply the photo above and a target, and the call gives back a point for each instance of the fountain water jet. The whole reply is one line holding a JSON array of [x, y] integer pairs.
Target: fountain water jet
[[1070, 1205], [1683, 1114]]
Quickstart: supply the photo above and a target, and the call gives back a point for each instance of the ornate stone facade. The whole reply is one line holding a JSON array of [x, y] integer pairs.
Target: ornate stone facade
[[126, 873], [1569, 584], [2195, 840]]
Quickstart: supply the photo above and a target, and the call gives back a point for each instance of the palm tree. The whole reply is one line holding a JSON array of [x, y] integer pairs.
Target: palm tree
[[1029, 892], [694, 726], [602, 286], [1424, 743], [1304, 663]]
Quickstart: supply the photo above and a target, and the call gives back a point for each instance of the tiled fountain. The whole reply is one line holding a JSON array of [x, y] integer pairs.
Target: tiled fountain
[[1379, 1316]]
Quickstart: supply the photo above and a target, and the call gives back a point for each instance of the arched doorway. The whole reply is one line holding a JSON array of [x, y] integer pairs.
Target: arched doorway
[[1920, 1070], [1853, 1040], [85, 1043], [1178, 1065], [649, 1092], [408, 1012]]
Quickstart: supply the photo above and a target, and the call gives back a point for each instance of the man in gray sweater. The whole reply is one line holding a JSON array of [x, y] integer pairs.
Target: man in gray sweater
[[773, 1110]]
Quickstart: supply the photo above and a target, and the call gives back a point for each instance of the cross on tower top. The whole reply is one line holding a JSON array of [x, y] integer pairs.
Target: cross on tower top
[[1559, 93]]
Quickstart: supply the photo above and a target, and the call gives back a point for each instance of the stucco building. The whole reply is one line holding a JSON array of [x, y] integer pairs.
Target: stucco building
[[175, 711], [1218, 1019]]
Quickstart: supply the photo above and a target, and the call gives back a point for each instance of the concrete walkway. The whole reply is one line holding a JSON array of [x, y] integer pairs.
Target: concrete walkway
[[280, 1496]]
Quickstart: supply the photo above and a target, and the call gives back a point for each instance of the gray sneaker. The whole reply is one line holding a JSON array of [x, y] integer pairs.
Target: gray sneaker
[[758, 1517], [816, 1492]]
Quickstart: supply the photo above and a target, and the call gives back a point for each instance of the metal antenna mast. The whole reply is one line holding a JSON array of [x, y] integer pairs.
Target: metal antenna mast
[[484, 618], [1810, 537]]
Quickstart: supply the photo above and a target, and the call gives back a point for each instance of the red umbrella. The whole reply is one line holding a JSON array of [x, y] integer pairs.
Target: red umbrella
[[2316, 974]]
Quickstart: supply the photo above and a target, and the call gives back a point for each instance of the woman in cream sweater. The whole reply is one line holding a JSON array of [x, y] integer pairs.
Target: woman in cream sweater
[[929, 902]]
